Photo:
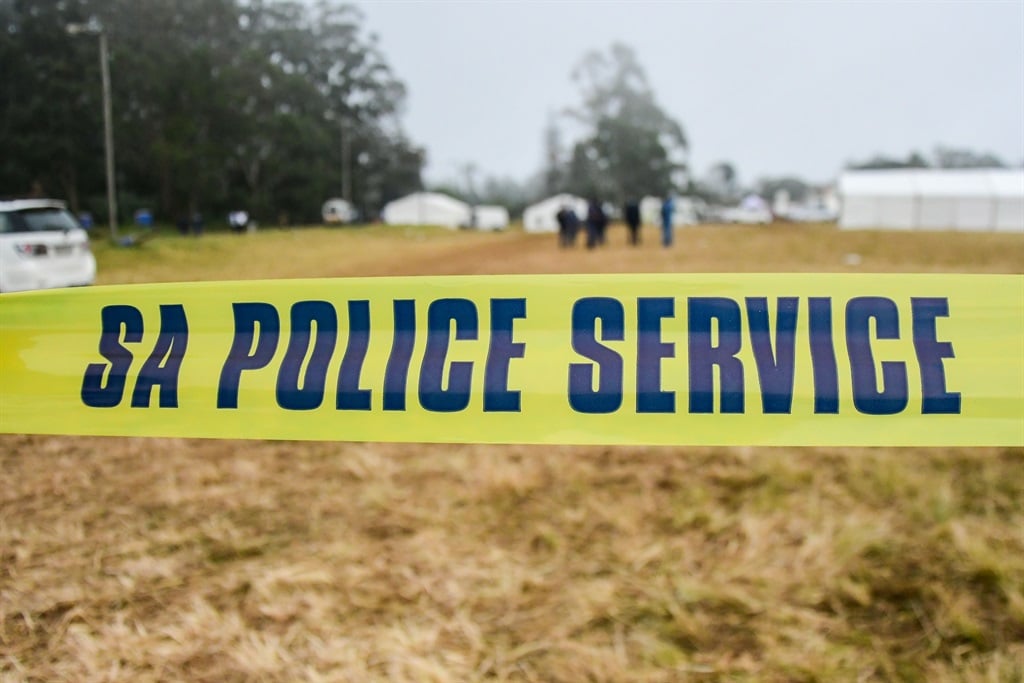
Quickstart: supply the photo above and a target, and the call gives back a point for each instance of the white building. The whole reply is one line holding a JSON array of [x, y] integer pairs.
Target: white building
[[428, 208], [933, 199], [542, 216], [490, 217]]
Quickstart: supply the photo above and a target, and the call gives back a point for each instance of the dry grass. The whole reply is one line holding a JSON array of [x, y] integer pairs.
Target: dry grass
[[382, 250], [162, 559]]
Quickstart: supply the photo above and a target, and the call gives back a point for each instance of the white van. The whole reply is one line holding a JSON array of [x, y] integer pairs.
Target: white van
[[42, 246]]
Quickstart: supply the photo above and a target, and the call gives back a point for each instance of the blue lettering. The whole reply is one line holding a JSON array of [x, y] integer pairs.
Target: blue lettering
[[649, 351], [703, 356], [310, 395], [775, 368], [930, 352], [866, 396], [440, 315], [95, 393], [350, 396], [396, 374], [823, 356], [497, 397], [608, 396], [164, 365], [242, 355]]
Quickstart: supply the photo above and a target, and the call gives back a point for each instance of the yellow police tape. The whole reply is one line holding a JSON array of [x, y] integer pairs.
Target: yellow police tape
[[808, 359]]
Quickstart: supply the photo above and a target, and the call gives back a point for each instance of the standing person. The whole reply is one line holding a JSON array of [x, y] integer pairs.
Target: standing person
[[572, 226], [563, 226], [596, 221], [631, 213], [668, 207]]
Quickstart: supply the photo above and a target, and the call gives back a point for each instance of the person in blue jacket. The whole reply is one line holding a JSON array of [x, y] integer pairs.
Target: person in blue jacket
[[668, 207]]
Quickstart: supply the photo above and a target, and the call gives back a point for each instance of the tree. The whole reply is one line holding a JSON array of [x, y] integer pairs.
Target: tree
[[953, 157], [50, 116], [882, 162], [943, 157], [632, 146], [553, 174], [722, 182], [507, 192], [795, 188], [229, 103]]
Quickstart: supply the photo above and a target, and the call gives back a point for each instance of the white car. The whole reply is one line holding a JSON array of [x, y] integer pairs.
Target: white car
[[42, 246]]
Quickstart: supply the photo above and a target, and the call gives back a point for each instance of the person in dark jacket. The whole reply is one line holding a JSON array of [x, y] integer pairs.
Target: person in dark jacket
[[563, 226], [572, 226], [631, 212], [596, 222]]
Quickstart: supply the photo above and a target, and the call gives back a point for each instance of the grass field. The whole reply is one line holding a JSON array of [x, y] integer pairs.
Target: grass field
[[169, 559]]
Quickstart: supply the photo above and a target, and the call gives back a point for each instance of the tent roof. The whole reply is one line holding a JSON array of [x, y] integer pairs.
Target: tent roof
[[433, 199], [954, 183], [877, 183], [557, 200], [932, 182]]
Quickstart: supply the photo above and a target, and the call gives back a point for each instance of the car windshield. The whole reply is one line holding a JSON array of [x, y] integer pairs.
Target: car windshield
[[37, 220]]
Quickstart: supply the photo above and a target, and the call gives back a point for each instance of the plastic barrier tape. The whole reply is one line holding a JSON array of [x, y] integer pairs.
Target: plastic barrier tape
[[808, 359]]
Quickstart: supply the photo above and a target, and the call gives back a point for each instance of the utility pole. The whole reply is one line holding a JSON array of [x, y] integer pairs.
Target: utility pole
[[108, 136], [108, 123]]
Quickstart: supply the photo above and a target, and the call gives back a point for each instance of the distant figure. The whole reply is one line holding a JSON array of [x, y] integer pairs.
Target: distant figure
[[668, 207], [197, 224], [631, 213], [572, 226], [568, 226], [183, 224], [563, 226], [596, 222]]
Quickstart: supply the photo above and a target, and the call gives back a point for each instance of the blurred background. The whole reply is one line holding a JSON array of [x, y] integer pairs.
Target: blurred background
[[275, 107]]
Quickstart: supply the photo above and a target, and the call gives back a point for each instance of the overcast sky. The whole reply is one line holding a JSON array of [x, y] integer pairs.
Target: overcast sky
[[773, 87]]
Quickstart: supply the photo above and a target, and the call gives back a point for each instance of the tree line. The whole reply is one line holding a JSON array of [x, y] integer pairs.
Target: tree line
[[217, 104], [626, 145], [274, 106]]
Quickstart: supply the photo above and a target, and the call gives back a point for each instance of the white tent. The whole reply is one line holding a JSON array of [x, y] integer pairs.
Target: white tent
[[933, 199], [489, 217], [959, 200], [878, 199], [1008, 188], [427, 208], [542, 216]]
